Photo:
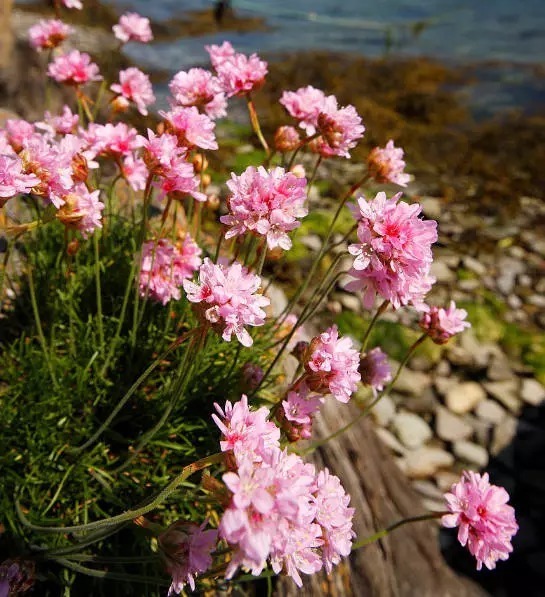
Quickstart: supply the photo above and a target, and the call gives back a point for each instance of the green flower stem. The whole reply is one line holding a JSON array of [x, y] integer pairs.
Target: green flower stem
[[100, 95], [299, 147], [379, 312], [39, 328], [380, 534], [98, 290], [409, 354], [107, 574], [255, 124], [129, 515]]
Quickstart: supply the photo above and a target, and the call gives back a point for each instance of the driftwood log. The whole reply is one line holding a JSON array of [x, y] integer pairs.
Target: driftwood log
[[407, 562]]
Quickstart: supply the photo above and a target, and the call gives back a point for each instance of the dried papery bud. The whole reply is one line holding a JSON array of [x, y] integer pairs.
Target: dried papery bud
[[251, 377], [299, 350], [386, 164], [120, 104], [73, 247], [299, 171], [16, 577], [80, 169], [213, 202], [286, 138], [330, 130], [200, 163], [205, 180], [441, 324]]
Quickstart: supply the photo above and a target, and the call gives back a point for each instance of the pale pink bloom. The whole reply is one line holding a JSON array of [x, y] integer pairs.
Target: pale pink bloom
[[299, 171], [12, 178], [394, 254], [179, 178], [191, 128], [239, 74], [441, 324], [486, 523], [286, 139], [134, 86], [375, 369], [186, 548], [266, 203], [133, 27], [198, 87], [160, 151], [77, 4], [164, 266], [82, 210], [298, 410], [115, 140], [17, 131], [332, 365], [304, 105], [339, 128], [228, 299], [386, 164], [135, 171], [63, 124], [74, 68], [48, 34]]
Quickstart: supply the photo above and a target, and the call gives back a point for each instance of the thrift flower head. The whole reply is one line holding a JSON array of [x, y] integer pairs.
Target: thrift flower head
[[304, 105], [332, 365], [266, 203], [191, 128], [63, 124], [375, 370], [486, 523], [12, 178], [134, 86], [297, 412], [198, 87], [77, 4], [165, 266], [115, 140], [394, 255], [135, 172], [228, 299], [441, 324], [74, 68], [133, 27], [286, 138], [17, 131], [48, 34], [16, 577], [238, 74], [186, 548], [386, 164], [82, 210]]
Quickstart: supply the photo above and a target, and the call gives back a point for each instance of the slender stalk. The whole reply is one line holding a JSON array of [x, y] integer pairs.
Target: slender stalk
[[39, 328], [380, 534], [255, 124], [368, 331], [313, 175], [98, 291], [409, 354], [299, 147]]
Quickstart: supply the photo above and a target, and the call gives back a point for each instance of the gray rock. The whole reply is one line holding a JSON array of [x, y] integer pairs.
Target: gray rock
[[532, 392], [490, 412], [411, 382], [383, 411], [450, 427], [475, 266], [504, 434], [431, 207], [391, 441], [443, 369], [538, 300], [471, 453], [442, 272], [426, 461], [506, 393], [444, 384], [312, 242], [525, 280], [427, 489], [514, 301], [411, 430], [508, 269], [445, 480], [499, 369], [422, 404], [464, 397], [469, 285], [349, 301]]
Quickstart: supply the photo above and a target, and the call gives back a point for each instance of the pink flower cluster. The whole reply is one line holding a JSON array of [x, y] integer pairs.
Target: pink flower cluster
[[74, 68], [266, 203], [191, 128], [331, 365], [186, 548], [48, 34], [13, 179], [133, 27], [82, 210], [227, 298], [297, 413], [280, 510], [134, 86], [338, 129], [393, 257], [198, 87], [486, 523], [386, 164], [441, 324], [375, 370], [238, 74], [77, 4], [63, 124], [165, 266]]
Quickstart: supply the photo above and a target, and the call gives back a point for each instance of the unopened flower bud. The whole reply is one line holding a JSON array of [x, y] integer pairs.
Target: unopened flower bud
[[286, 138], [299, 171], [213, 202], [299, 350], [80, 169], [205, 180], [252, 375], [72, 247], [120, 104], [200, 163]]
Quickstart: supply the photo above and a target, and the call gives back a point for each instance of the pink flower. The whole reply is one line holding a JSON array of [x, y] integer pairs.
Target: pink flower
[[64, 124], [73, 4], [238, 74], [134, 86], [394, 255], [286, 139], [135, 171], [298, 410], [374, 369], [133, 27], [386, 164], [332, 365], [82, 210], [266, 203], [179, 179], [186, 548], [485, 522], [304, 105], [191, 128], [17, 132], [74, 68], [198, 87], [160, 151], [165, 266], [12, 178], [48, 34], [115, 140], [441, 324], [227, 299]]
